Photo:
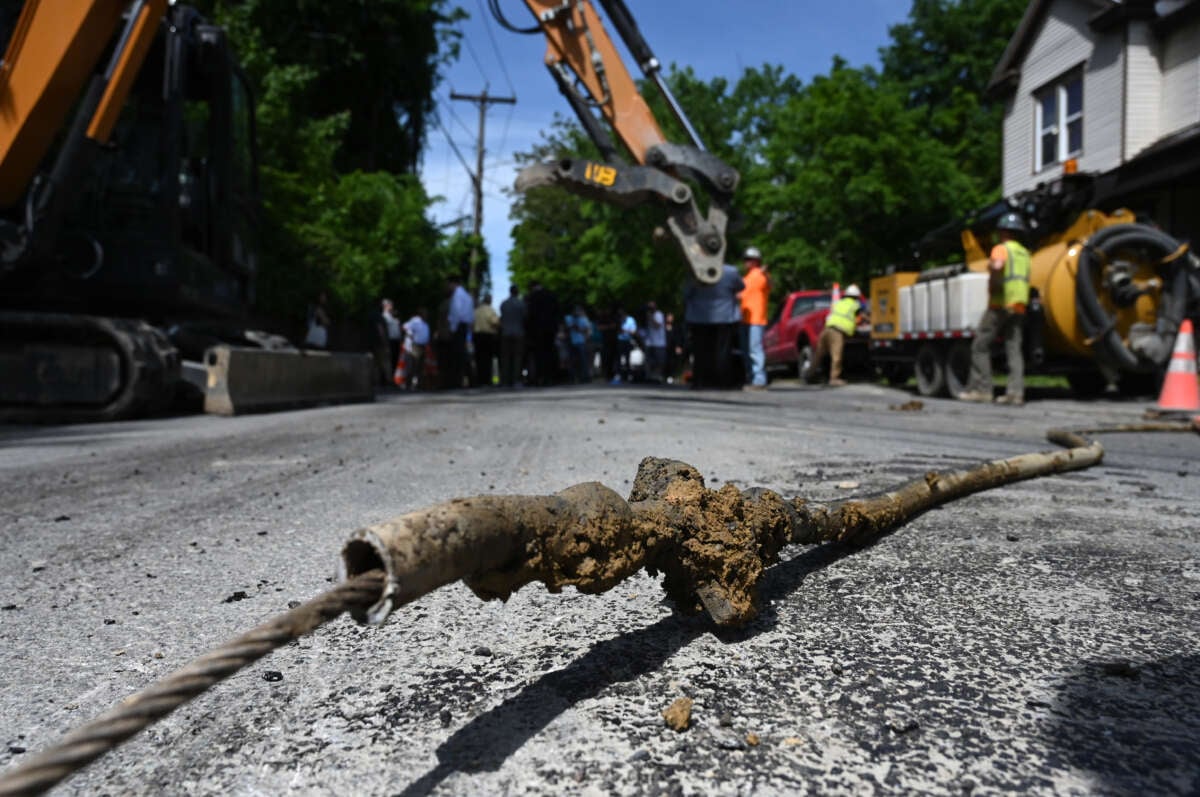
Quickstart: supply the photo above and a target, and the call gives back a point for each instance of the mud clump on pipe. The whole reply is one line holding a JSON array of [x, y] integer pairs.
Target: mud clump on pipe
[[711, 546]]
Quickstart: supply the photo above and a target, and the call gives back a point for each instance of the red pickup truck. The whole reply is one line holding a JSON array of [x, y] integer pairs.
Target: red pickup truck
[[790, 341]]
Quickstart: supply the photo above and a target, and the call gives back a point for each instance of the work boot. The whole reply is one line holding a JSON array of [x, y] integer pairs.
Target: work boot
[[974, 395], [1009, 398], [837, 383]]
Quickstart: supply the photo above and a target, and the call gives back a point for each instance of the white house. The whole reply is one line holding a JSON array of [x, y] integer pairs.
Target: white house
[[1113, 86]]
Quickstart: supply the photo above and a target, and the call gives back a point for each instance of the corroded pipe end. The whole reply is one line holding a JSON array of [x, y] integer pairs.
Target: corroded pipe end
[[364, 551]]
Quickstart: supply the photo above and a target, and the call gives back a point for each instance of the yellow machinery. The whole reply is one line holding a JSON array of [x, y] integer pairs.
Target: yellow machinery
[[1111, 294], [128, 199]]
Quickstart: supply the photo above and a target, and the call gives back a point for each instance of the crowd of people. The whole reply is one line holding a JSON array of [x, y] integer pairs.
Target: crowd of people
[[533, 339], [530, 340]]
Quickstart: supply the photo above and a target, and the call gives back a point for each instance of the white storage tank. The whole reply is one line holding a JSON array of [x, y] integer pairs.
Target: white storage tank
[[967, 298], [920, 306], [906, 309], [937, 305]]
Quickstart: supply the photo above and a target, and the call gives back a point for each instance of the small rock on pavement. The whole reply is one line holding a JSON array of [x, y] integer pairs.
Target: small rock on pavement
[[272, 676], [483, 651], [444, 716], [1121, 669], [235, 597], [38, 566], [1012, 537], [901, 724], [678, 715]]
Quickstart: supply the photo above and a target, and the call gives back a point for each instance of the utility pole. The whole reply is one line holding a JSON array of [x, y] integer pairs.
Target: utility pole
[[482, 100]]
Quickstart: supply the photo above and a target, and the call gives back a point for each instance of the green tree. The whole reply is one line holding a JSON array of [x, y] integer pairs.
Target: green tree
[[343, 92], [849, 179], [942, 59]]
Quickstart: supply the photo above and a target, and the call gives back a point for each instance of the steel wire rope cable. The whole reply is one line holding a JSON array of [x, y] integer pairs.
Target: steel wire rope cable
[[134, 713]]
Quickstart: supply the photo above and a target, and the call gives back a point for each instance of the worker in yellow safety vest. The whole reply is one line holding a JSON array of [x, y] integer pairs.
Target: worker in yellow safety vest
[[840, 324], [1008, 269]]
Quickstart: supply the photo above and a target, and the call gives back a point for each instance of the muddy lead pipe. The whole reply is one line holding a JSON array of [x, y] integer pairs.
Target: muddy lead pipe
[[712, 546]]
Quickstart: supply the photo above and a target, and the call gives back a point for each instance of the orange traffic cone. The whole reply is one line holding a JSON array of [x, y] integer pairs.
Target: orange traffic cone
[[400, 375], [1180, 390], [837, 292]]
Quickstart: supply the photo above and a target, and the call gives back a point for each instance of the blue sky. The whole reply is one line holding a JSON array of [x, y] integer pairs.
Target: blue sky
[[716, 39]]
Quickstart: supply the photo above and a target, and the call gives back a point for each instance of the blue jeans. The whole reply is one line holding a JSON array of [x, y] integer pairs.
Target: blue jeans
[[758, 358]]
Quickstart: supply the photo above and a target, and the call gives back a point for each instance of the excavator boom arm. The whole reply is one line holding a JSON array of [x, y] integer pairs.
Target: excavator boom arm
[[590, 72]]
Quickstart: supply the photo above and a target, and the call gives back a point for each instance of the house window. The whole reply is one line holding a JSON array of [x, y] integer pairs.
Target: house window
[[1059, 121]]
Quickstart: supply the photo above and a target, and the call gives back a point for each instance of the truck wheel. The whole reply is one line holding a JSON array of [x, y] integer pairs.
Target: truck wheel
[[806, 368], [958, 367], [894, 373], [1086, 384], [930, 369]]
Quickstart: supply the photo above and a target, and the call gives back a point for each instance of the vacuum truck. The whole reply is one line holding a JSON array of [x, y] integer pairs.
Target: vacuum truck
[[1108, 295]]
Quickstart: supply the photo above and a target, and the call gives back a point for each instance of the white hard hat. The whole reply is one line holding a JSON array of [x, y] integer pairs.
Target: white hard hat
[[853, 291], [752, 253]]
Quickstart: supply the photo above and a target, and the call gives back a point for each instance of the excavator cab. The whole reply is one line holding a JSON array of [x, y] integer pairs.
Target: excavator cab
[[160, 222], [128, 204]]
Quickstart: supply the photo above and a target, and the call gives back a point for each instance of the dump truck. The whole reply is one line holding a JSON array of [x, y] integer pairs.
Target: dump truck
[[1108, 295]]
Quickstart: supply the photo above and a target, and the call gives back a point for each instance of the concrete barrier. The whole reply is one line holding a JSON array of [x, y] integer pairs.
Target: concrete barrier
[[254, 380]]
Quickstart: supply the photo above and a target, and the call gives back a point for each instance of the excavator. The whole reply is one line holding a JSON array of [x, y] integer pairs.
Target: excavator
[[584, 63], [128, 196], [128, 190]]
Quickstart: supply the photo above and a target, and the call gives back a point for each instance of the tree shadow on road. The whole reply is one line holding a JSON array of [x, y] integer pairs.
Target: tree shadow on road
[[1134, 725], [487, 741]]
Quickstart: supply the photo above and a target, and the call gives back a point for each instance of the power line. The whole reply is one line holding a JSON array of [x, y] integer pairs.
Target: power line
[[474, 57], [495, 47], [445, 103], [438, 121]]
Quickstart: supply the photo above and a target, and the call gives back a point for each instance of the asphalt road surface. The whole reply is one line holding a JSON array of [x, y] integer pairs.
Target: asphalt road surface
[[1038, 638]]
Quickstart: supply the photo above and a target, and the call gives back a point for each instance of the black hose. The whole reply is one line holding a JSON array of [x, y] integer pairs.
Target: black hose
[[494, 6], [1096, 323]]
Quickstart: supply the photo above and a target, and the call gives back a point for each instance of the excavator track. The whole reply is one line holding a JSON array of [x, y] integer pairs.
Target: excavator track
[[67, 368]]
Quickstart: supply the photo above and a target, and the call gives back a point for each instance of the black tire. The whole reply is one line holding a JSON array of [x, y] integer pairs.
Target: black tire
[[958, 367], [895, 373], [1087, 384], [806, 367], [930, 370]]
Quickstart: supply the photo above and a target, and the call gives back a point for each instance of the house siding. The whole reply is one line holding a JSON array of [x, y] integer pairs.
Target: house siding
[[1143, 100], [1180, 97], [1062, 42]]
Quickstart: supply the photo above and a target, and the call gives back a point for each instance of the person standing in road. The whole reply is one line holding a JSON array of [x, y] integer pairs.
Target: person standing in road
[[389, 333], [656, 344], [840, 325], [512, 338], [317, 335], [460, 318], [579, 331], [416, 340], [713, 313], [541, 328], [626, 333], [754, 317], [487, 329], [1008, 273]]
